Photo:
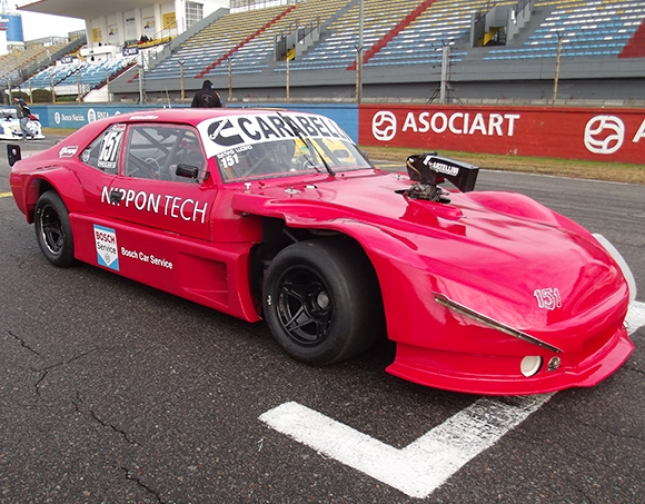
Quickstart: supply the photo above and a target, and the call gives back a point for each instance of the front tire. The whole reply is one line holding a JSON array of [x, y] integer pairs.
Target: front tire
[[53, 230], [322, 301]]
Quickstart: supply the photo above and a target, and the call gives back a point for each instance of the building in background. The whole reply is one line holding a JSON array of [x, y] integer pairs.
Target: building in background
[[10, 29], [120, 23]]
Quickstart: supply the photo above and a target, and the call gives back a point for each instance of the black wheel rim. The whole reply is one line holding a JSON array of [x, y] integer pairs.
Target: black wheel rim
[[304, 306], [51, 229]]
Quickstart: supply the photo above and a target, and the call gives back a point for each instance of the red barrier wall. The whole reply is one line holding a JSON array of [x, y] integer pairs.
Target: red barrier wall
[[575, 133]]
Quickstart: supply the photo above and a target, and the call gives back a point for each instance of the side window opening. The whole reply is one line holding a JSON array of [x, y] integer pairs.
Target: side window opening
[[164, 153], [103, 152]]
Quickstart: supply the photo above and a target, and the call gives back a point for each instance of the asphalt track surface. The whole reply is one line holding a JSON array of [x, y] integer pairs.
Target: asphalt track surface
[[112, 392]]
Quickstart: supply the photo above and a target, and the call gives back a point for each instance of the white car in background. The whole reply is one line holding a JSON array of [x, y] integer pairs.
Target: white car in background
[[10, 125]]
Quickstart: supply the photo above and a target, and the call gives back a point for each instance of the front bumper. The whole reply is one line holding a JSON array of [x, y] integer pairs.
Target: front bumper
[[501, 374]]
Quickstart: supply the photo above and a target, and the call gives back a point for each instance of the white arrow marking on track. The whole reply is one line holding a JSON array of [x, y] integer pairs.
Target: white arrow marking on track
[[425, 464]]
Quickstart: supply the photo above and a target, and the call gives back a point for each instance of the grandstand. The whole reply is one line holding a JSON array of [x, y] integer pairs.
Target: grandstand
[[75, 76], [19, 64], [585, 29], [496, 50], [245, 37]]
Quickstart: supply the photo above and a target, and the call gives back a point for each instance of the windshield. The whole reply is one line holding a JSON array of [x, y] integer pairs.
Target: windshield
[[8, 113], [263, 144], [282, 158]]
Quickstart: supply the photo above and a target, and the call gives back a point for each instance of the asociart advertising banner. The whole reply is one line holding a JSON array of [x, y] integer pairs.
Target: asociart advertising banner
[[574, 133]]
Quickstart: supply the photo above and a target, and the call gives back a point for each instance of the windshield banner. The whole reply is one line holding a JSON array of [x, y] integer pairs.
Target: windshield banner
[[229, 132]]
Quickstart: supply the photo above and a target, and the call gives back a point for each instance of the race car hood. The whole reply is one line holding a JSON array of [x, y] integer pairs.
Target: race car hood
[[499, 254]]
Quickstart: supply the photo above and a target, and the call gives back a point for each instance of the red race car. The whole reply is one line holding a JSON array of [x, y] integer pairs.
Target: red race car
[[276, 215]]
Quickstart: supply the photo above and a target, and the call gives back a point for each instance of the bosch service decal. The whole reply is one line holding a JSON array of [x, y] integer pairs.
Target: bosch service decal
[[106, 247]]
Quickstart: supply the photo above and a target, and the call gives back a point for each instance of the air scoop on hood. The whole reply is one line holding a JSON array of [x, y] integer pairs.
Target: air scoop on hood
[[429, 170]]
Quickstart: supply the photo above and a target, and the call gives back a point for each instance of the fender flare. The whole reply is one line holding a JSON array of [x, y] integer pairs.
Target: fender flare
[[392, 255], [57, 178]]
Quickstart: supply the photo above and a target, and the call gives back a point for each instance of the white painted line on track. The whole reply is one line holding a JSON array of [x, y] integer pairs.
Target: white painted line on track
[[422, 466], [426, 463]]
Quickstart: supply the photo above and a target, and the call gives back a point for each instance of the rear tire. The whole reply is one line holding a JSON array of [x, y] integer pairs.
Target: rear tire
[[53, 230], [322, 301]]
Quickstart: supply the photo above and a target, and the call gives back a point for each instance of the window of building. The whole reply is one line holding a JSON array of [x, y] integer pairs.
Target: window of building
[[194, 13]]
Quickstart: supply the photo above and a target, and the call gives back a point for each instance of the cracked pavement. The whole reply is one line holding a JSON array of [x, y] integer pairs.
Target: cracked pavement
[[112, 392]]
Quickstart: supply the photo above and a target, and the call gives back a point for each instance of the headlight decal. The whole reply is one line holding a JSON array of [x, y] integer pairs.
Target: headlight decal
[[487, 321]]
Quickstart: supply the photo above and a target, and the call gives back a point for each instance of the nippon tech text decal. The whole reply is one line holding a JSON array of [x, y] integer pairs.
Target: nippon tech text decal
[[576, 133]]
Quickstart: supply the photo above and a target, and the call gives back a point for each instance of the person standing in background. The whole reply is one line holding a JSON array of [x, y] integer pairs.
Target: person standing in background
[[206, 97], [24, 114]]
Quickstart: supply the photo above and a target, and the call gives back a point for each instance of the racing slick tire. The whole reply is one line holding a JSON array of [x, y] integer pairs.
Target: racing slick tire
[[53, 230], [322, 301]]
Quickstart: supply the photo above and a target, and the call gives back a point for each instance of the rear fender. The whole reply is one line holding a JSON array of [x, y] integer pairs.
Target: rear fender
[[60, 179]]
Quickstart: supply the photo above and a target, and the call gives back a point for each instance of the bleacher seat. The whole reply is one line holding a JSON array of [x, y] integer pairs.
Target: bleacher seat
[[589, 28]]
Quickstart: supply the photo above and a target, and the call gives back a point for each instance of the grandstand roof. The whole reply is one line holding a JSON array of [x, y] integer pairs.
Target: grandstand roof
[[84, 9]]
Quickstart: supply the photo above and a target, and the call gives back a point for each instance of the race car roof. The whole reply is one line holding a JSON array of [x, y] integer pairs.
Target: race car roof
[[82, 9], [196, 115]]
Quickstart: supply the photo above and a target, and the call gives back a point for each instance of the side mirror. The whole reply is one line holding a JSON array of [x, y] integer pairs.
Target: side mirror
[[187, 171], [14, 154]]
